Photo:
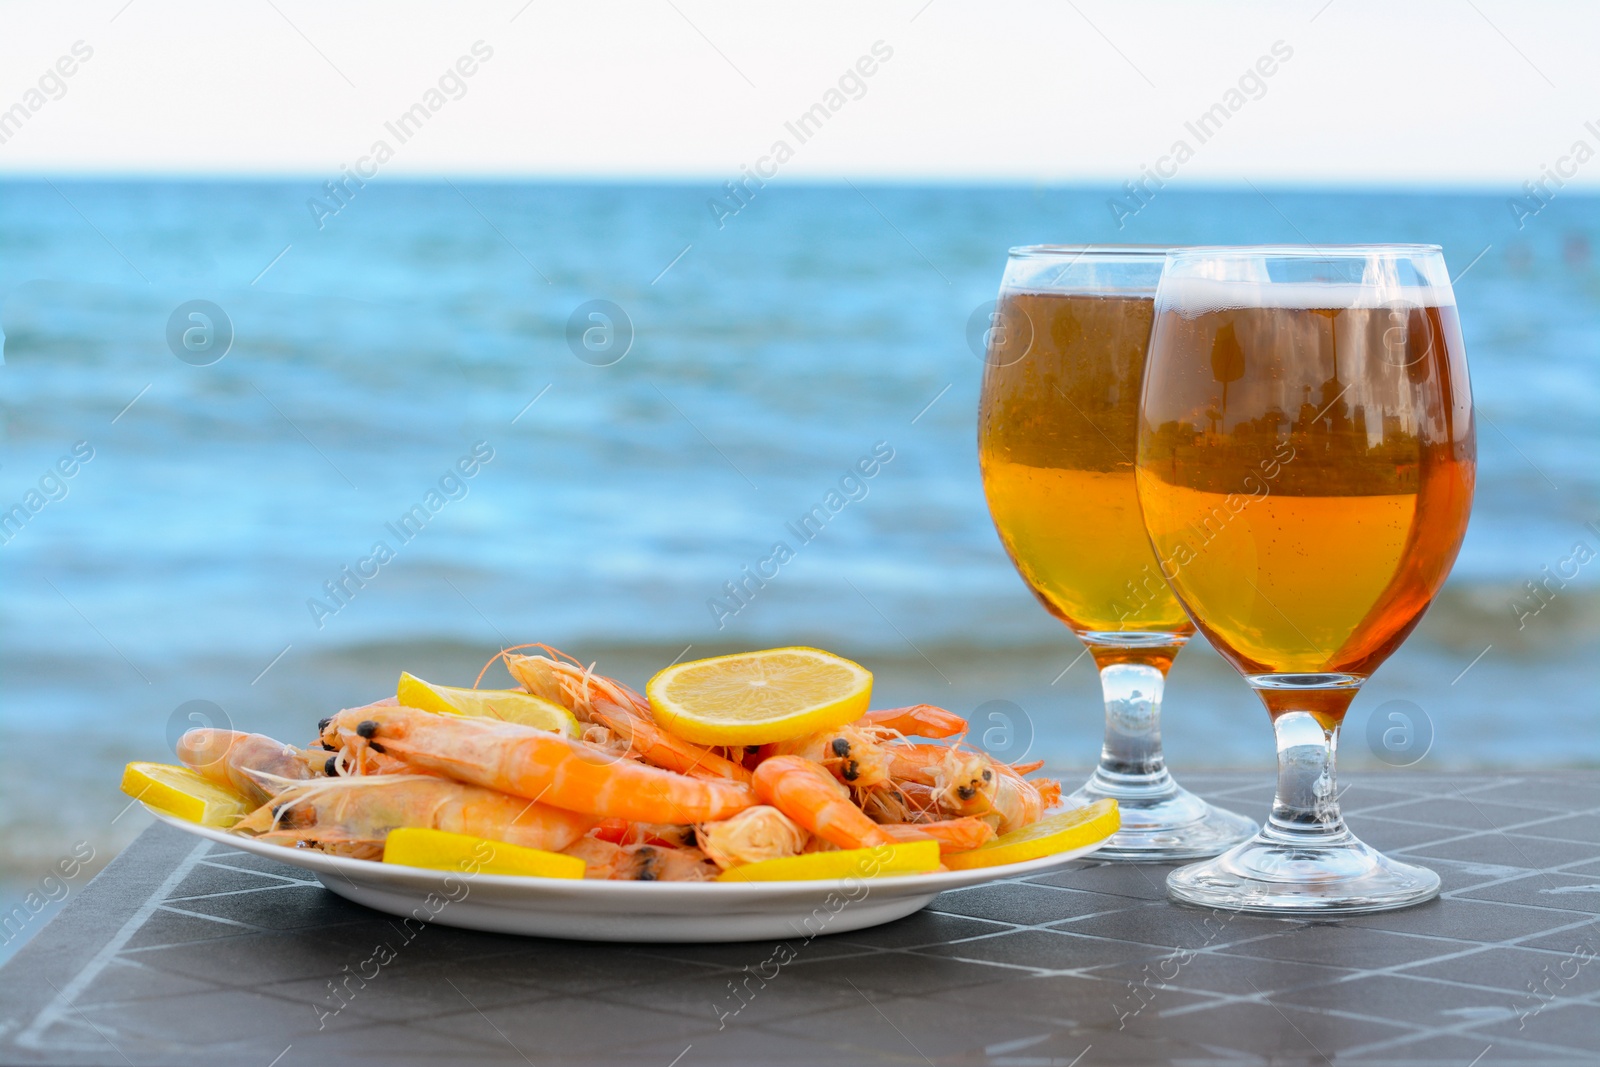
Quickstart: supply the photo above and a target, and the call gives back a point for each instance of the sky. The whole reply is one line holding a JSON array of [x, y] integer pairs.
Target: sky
[[1486, 93]]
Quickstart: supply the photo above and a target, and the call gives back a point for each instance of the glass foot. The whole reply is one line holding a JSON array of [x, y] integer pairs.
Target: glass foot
[[1164, 824], [1280, 873]]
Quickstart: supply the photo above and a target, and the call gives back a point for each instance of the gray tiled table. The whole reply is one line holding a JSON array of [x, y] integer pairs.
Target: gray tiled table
[[186, 953]]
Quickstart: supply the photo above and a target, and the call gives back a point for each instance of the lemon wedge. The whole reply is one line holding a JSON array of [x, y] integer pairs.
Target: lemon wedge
[[913, 857], [754, 698], [180, 792], [463, 853], [1058, 833], [507, 705]]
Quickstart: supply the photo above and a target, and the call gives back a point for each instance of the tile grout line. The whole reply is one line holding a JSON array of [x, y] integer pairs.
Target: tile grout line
[[30, 1037]]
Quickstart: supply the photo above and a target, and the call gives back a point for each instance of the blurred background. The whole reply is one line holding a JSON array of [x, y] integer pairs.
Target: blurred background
[[273, 276]]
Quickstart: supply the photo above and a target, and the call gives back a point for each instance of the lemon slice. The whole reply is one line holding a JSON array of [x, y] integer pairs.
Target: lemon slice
[[1058, 833], [754, 698], [180, 792], [443, 851], [913, 857], [508, 705]]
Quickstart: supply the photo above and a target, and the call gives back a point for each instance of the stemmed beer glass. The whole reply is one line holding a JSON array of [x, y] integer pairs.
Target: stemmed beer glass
[[1057, 433], [1306, 460]]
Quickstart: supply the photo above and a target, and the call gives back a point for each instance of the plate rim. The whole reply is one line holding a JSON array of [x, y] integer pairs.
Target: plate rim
[[320, 863]]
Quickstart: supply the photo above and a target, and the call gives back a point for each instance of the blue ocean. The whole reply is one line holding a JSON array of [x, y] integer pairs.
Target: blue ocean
[[266, 460]]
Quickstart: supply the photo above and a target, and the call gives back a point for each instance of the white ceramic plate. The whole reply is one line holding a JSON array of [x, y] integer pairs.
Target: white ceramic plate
[[585, 910]]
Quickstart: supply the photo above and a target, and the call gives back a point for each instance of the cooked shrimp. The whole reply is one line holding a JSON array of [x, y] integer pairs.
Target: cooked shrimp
[[356, 810], [961, 779], [540, 765], [916, 720], [595, 698], [252, 764], [970, 783], [641, 863], [755, 834], [561, 678], [1014, 802], [659, 748], [364, 760], [853, 755], [812, 797], [953, 835]]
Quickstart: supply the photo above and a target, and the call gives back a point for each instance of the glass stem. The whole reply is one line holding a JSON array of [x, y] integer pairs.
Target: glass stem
[[1131, 759], [1306, 807]]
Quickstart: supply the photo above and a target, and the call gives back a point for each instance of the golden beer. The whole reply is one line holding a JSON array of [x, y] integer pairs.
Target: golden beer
[[1306, 463], [1057, 432], [1310, 526], [1057, 440]]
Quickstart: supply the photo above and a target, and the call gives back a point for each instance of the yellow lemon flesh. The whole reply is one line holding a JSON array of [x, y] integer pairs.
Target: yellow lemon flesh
[[180, 792], [507, 705], [755, 698], [442, 851], [913, 857], [1058, 833]]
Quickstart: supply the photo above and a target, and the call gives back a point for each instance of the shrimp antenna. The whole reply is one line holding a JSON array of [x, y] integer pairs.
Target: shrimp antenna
[[556, 652]]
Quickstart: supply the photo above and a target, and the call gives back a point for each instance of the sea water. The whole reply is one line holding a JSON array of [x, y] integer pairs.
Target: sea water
[[455, 416]]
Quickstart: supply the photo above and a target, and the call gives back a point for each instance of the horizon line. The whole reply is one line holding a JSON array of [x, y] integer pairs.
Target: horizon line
[[1367, 186]]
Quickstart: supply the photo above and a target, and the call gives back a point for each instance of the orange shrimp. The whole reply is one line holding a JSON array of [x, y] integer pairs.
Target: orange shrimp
[[916, 720], [252, 764], [595, 698], [953, 835], [755, 834], [961, 779], [853, 755], [539, 765], [561, 678], [641, 863], [364, 810], [811, 797], [971, 783], [1013, 802], [659, 748]]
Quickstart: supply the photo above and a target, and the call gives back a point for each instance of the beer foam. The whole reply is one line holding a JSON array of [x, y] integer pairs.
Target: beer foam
[[1146, 291], [1196, 296]]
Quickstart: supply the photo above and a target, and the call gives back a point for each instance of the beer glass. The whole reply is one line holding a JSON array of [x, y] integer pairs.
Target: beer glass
[[1306, 459], [1056, 442]]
